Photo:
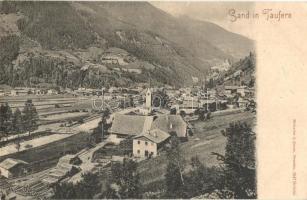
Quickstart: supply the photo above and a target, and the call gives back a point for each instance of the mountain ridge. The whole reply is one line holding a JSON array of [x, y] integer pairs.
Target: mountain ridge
[[149, 35]]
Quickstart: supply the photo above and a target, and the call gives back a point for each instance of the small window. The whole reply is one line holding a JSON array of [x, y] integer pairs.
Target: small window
[[139, 142], [146, 143], [138, 151]]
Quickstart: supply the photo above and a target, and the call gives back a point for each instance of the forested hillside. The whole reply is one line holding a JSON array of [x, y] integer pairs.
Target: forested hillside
[[241, 72], [68, 44]]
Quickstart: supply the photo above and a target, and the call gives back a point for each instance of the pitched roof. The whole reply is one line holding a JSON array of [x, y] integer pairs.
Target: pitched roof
[[128, 124], [67, 158], [156, 135], [10, 163], [136, 125], [170, 123]]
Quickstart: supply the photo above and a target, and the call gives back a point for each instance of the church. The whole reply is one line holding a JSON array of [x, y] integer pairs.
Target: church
[[149, 130]]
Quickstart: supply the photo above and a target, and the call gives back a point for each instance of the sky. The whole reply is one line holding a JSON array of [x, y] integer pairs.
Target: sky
[[216, 12]]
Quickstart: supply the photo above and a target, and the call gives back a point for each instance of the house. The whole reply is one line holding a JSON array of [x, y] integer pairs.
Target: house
[[52, 91], [224, 66], [127, 125], [171, 124], [148, 144], [113, 90], [22, 91], [245, 91], [231, 89], [39, 92], [124, 126], [10, 168], [19, 92], [242, 103], [66, 166], [14, 93], [2, 93], [237, 73], [70, 159]]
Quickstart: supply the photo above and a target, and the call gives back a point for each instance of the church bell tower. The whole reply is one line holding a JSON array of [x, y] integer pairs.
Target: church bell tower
[[148, 99]]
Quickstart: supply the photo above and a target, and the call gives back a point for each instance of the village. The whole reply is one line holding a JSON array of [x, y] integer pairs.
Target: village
[[88, 129]]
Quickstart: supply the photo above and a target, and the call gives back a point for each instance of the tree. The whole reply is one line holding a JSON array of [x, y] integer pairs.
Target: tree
[[182, 113], [2, 127], [173, 111], [239, 161], [17, 145], [174, 178], [160, 99], [102, 128], [17, 121], [64, 191], [251, 82], [201, 179], [131, 102], [30, 116], [124, 182], [5, 119], [201, 114], [8, 7], [87, 188]]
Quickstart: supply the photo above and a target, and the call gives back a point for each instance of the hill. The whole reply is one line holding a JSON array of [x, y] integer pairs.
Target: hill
[[240, 73], [68, 44]]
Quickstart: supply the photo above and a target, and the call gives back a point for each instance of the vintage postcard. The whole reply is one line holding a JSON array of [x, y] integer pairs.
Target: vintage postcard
[[152, 100]]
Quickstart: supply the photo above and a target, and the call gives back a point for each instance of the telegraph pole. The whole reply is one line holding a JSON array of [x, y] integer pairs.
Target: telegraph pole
[[207, 99], [103, 108]]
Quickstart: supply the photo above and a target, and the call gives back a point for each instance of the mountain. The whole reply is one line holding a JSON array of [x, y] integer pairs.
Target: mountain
[[241, 73], [91, 44]]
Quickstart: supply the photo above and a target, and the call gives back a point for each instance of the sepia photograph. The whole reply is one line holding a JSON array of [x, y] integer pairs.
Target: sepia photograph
[[128, 100]]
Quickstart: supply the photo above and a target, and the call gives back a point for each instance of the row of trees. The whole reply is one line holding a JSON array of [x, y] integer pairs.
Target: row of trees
[[16, 122]]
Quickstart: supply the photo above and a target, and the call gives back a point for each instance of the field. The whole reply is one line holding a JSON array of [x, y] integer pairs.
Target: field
[[53, 111], [10, 149], [47, 103], [207, 138], [63, 116]]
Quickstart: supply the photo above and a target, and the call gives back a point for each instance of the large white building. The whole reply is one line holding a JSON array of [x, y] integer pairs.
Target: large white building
[[148, 144]]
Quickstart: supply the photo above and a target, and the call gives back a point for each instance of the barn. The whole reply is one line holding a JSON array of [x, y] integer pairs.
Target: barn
[[11, 168]]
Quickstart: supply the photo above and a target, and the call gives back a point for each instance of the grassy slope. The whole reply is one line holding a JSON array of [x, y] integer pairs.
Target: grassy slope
[[210, 140]]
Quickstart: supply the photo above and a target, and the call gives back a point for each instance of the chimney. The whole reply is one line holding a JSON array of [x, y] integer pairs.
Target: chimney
[[170, 125]]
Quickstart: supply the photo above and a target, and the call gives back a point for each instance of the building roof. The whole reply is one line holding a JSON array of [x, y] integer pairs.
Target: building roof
[[137, 125], [234, 87], [156, 136], [231, 87], [189, 103], [170, 123], [128, 124], [10, 163], [67, 158]]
